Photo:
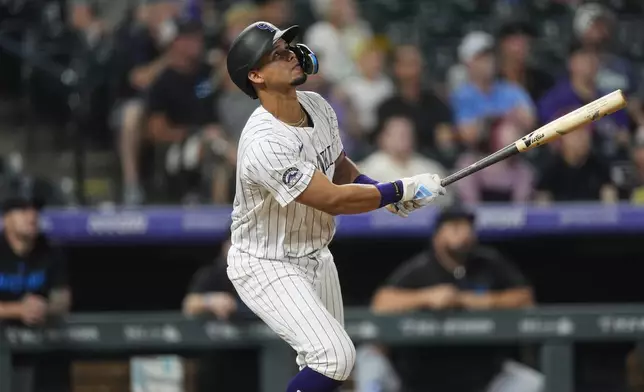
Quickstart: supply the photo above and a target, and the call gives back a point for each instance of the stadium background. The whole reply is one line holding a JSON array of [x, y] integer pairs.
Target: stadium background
[[58, 134]]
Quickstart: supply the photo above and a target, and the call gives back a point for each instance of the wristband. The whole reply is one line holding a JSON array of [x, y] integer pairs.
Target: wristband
[[390, 192], [362, 179]]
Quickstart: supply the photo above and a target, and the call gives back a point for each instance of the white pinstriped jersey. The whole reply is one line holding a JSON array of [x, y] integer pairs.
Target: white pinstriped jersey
[[275, 163]]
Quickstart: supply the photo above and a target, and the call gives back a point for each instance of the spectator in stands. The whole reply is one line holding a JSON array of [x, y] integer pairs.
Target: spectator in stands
[[233, 106], [211, 294], [611, 132], [396, 155], [336, 36], [139, 60], [181, 114], [514, 44], [277, 12], [575, 173], [432, 117], [236, 18], [350, 130], [594, 25], [483, 100], [86, 19], [370, 87], [456, 274], [511, 180], [233, 109]]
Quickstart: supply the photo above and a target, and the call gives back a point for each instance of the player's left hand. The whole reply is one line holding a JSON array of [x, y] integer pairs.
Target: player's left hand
[[402, 209]]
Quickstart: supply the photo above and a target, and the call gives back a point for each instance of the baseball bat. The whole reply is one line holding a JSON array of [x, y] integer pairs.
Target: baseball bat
[[608, 104]]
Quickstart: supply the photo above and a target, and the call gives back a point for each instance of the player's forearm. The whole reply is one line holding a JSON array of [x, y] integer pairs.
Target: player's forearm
[[397, 301], [359, 198], [354, 199], [348, 199], [10, 310]]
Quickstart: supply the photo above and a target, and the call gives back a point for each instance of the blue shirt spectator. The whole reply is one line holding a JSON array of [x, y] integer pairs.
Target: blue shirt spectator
[[471, 104], [483, 102]]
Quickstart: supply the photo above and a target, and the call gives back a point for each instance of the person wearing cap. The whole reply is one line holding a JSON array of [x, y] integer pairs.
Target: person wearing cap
[[483, 99], [181, 112], [33, 286], [33, 281], [514, 43], [211, 294], [579, 87], [456, 273]]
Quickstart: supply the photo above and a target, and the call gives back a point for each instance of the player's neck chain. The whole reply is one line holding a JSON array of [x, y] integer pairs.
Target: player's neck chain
[[301, 122]]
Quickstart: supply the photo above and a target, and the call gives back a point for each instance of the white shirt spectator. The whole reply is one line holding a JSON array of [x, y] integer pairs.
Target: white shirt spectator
[[336, 43], [396, 157]]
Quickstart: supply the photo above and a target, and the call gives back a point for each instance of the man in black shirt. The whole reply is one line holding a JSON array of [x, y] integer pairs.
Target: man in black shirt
[[33, 281], [575, 173], [212, 294], [431, 116], [33, 286], [181, 111], [455, 274], [515, 43]]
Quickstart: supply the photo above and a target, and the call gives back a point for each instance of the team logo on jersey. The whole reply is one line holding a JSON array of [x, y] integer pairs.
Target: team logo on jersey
[[291, 176]]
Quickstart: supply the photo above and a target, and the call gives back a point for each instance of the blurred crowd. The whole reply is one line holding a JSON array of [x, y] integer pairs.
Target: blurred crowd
[[150, 79], [173, 115]]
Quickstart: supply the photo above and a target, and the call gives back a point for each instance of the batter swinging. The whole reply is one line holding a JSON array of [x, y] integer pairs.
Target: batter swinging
[[292, 179]]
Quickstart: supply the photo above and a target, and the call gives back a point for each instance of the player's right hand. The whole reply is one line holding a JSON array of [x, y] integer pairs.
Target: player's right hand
[[422, 189], [401, 209]]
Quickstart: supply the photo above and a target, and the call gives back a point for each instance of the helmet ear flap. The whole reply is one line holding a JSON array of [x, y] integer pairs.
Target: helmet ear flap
[[307, 58]]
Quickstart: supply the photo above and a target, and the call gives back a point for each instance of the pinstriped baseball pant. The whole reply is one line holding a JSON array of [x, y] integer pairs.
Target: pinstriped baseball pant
[[301, 301]]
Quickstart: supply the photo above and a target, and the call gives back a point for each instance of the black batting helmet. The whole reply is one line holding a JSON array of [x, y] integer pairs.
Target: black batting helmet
[[254, 42]]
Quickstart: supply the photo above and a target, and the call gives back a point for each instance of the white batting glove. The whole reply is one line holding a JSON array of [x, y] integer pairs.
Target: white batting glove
[[421, 190], [401, 209]]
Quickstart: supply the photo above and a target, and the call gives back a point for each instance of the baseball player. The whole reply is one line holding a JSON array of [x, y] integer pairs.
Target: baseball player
[[293, 177]]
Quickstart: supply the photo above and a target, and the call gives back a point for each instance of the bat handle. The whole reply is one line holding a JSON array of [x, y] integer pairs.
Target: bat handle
[[452, 178]]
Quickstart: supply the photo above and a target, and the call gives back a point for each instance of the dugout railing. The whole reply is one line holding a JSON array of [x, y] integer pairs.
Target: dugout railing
[[555, 329]]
